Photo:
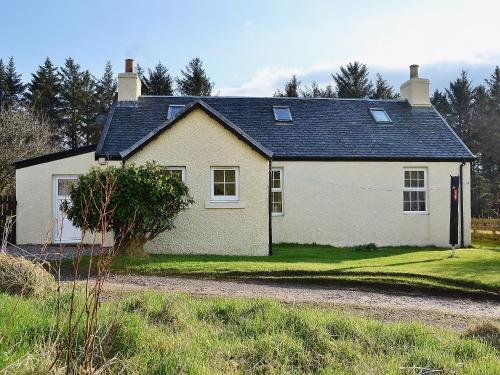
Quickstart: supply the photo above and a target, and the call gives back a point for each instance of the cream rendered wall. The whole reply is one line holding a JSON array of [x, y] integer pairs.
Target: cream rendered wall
[[198, 142], [35, 196], [352, 203]]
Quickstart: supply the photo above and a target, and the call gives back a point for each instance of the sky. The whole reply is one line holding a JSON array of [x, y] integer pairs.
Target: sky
[[251, 48]]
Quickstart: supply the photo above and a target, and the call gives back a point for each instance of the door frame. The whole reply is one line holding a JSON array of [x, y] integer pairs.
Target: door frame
[[55, 210]]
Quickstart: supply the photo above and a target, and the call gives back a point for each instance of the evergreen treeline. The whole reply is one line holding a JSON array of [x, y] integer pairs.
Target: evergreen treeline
[[69, 98], [351, 82], [474, 113]]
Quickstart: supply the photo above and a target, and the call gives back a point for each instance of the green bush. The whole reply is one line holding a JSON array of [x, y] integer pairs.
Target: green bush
[[21, 276], [136, 203]]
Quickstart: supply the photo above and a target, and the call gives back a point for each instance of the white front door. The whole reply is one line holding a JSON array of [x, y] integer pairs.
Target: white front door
[[64, 230]]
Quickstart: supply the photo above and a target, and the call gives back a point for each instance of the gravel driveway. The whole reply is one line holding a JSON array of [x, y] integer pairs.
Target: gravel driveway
[[449, 312]]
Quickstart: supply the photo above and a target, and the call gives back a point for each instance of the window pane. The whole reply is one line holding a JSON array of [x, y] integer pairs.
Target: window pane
[[406, 206], [177, 173], [282, 114], [413, 206], [64, 185], [230, 189], [421, 206], [218, 175], [421, 195], [277, 208], [219, 189], [277, 197], [406, 196], [230, 175], [380, 115]]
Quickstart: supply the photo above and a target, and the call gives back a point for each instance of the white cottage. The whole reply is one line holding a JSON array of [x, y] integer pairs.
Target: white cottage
[[340, 172]]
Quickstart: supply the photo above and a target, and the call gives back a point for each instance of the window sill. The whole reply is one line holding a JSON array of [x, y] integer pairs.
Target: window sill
[[277, 214], [229, 204], [411, 213]]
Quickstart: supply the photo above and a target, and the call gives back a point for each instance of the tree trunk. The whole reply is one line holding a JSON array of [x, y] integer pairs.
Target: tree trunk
[[132, 247]]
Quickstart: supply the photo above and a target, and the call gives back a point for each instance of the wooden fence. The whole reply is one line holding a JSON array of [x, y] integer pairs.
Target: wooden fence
[[7, 208], [486, 229]]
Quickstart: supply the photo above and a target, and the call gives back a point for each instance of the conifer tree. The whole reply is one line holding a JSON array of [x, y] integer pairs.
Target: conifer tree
[[353, 82], [89, 109], [44, 92], [159, 81], [292, 89], [315, 91], [13, 84], [194, 80], [461, 98], [79, 105], [106, 89], [440, 101], [144, 84], [382, 89], [2, 84]]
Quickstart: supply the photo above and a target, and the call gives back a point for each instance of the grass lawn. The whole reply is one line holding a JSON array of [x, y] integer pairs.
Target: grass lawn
[[154, 333], [473, 270]]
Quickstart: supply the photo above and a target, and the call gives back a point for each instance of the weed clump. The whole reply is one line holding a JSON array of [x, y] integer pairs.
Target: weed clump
[[488, 332], [20, 276]]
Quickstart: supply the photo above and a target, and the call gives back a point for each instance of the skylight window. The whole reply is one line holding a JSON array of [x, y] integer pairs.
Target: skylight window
[[282, 114], [173, 110], [380, 116]]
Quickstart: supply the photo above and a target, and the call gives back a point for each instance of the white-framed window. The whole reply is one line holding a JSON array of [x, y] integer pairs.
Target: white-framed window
[[282, 113], [225, 183], [179, 172], [415, 198], [277, 191], [380, 116]]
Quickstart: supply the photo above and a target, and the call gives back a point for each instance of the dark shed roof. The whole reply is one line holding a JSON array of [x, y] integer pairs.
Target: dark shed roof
[[322, 129]]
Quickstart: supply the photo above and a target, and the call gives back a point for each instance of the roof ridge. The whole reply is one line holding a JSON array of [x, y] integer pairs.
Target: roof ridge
[[268, 97]]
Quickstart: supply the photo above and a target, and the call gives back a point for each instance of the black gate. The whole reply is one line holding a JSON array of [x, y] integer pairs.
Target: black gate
[[8, 209]]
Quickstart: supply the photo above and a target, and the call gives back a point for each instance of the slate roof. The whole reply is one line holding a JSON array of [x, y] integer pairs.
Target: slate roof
[[322, 129]]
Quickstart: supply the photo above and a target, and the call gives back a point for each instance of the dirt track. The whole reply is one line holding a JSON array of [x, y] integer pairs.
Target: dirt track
[[456, 313]]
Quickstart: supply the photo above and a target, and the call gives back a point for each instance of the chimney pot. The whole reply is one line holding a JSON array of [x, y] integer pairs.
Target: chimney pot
[[413, 71], [129, 65]]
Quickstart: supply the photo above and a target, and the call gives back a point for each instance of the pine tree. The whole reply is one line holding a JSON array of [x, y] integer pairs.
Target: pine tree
[[2, 84], [144, 84], [159, 81], [44, 92], [106, 89], [78, 95], [90, 108], [383, 90], [292, 89], [315, 91], [13, 84], [440, 101], [353, 82], [461, 98], [194, 80], [490, 132]]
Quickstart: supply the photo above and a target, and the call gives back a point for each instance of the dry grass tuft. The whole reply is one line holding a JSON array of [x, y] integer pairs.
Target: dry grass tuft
[[486, 331], [20, 276]]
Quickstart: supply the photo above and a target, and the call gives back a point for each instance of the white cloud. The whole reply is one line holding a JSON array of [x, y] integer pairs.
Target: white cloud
[[427, 33], [248, 24]]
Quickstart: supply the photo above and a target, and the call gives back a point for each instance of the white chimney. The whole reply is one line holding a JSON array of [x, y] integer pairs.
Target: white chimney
[[416, 90], [129, 83]]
